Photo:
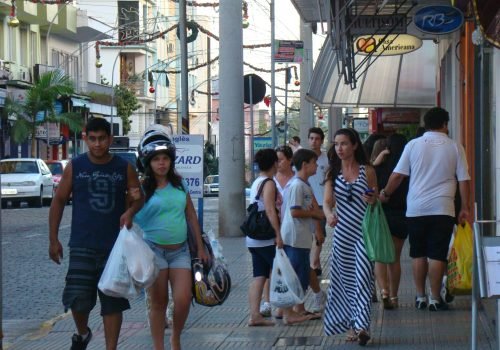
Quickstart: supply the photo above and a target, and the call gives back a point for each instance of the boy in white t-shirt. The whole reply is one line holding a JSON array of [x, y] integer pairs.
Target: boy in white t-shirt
[[300, 212]]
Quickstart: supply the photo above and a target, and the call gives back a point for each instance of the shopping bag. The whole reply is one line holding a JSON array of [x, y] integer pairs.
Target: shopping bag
[[141, 260], [115, 280], [376, 235], [460, 261], [285, 288]]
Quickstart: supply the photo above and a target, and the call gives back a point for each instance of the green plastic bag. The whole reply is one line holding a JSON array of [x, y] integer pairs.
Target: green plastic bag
[[376, 235]]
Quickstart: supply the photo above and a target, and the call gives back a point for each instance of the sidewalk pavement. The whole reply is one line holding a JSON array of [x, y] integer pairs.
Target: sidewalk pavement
[[225, 326]]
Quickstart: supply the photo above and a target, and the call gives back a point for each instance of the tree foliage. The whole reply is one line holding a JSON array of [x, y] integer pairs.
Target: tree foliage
[[126, 104], [41, 98]]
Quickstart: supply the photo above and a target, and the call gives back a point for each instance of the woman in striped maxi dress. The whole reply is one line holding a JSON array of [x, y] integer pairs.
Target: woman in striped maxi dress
[[351, 273]]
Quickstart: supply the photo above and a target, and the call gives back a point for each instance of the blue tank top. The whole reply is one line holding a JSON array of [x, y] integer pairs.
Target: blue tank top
[[99, 198]]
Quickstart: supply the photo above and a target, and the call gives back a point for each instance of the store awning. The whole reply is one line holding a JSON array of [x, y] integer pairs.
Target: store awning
[[77, 102], [391, 81]]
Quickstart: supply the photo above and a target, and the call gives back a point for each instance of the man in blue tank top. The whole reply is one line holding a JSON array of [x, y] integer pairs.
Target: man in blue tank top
[[99, 183]]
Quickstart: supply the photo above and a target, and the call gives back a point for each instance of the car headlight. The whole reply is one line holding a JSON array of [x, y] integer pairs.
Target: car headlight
[[27, 183]]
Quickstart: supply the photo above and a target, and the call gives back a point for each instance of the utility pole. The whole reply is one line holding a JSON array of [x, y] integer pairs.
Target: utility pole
[[306, 68], [232, 157], [273, 78], [184, 128], [209, 93]]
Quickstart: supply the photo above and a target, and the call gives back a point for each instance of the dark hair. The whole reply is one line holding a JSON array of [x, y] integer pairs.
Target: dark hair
[[303, 155], [296, 138], [335, 162], [98, 124], [149, 184], [370, 142], [286, 150], [265, 158], [318, 131], [396, 144], [436, 118]]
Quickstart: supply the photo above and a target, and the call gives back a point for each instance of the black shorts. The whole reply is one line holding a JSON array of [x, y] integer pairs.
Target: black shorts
[[262, 260], [430, 236], [80, 293], [396, 219]]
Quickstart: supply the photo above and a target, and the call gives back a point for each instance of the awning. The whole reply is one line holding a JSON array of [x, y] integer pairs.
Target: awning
[[77, 102], [391, 81]]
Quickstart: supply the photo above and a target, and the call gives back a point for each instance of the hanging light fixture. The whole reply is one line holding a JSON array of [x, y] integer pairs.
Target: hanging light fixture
[[245, 23], [13, 22]]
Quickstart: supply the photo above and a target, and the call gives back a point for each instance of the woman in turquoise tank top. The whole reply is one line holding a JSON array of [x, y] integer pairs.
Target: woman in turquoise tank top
[[164, 218]]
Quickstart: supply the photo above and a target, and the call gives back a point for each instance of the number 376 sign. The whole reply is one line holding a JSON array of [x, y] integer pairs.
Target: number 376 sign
[[189, 162]]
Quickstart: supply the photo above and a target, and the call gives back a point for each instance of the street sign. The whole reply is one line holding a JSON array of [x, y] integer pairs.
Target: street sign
[[261, 143], [288, 51], [438, 19], [189, 162]]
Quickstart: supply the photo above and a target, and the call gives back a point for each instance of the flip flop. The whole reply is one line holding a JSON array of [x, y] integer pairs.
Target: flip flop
[[260, 323], [311, 315]]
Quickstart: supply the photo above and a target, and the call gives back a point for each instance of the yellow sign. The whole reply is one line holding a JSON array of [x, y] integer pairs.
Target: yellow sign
[[393, 44]]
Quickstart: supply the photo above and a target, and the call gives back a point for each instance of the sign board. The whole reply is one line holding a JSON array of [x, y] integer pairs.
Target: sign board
[[261, 143], [128, 20], [54, 131], [438, 19], [492, 258], [361, 125], [394, 24], [288, 51], [189, 162], [388, 45]]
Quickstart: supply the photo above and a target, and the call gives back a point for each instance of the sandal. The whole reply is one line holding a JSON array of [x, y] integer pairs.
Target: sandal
[[394, 302], [363, 337], [311, 315], [351, 336], [386, 300]]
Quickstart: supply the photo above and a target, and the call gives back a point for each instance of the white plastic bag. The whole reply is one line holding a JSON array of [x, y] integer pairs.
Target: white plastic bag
[[285, 289], [141, 260], [115, 279]]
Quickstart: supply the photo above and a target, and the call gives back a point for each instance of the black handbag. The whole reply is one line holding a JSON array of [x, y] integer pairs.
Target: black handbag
[[257, 225]]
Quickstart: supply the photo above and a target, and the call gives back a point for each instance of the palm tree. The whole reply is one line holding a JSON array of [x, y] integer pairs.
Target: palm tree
[[41, 97]]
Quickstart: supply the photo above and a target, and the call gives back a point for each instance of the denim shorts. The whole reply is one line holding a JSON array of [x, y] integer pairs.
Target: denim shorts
[[179, 258], [80, 293], [299, 258], [262, 260]]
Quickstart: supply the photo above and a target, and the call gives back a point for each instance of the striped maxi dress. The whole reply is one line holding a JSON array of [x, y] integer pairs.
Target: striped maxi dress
[[351, 273]]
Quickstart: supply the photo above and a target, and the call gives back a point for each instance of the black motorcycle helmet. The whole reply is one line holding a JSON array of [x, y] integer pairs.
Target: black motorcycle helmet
[[155, 140]]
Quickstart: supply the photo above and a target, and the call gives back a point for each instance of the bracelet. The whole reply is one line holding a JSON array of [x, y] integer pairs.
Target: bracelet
[[384, 193]]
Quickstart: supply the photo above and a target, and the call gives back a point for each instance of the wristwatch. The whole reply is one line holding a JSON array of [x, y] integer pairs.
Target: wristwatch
[[384, 193]]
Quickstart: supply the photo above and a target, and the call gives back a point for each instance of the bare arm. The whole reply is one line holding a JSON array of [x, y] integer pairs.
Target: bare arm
[[392, 184], [194, 226], [314, 212], [371, 179], [463, 188], [269, 194], [329, 203], [136, 201], [59, 201]]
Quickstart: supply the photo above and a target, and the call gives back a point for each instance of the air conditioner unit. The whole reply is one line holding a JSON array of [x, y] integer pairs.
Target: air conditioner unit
[[19, 72]]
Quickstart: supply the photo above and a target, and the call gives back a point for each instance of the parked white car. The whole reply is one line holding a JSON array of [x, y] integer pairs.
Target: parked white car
[[26, 179], [211, 186]]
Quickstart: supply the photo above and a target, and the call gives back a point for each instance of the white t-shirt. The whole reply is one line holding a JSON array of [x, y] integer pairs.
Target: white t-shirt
[[282, 192], [316, 181], [256, 243], [297, 232], [434, 163]]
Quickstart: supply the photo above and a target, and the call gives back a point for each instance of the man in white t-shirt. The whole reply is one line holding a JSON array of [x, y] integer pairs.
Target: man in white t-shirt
[[295, 143], [316, 137], [434, 163]]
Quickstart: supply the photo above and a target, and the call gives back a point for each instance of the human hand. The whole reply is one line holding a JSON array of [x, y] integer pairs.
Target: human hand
[[56, 252], [203, 256], [320, 239], [126, 219], [279, 242], [332, 220], [463, 216], [369, 196]]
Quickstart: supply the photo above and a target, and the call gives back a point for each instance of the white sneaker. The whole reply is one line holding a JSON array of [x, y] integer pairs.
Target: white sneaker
[[265, 309], [319, 302]]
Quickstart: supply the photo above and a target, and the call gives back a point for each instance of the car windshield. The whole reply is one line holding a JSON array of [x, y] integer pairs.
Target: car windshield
[[18, 167], [55, 168], [212, 179]]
